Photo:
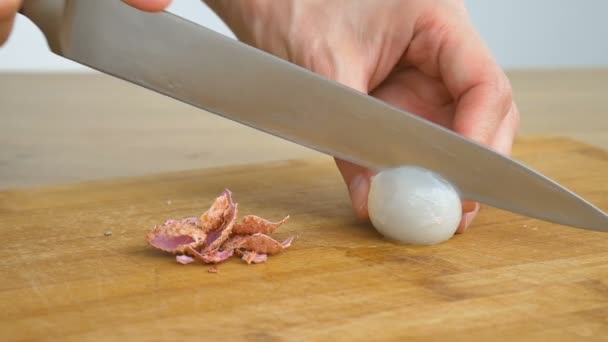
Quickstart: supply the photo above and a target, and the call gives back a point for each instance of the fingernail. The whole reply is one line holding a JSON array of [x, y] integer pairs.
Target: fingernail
[[359, 189], [469, 206]]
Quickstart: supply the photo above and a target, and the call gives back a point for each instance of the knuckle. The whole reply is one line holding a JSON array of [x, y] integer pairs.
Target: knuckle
[[515, 118], [502, 91]]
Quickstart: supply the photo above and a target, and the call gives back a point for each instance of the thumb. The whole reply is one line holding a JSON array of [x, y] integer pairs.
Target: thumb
[[358, 181], [356, 178]]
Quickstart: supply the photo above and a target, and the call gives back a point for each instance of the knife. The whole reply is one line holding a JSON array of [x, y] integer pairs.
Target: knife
[[190, 63]]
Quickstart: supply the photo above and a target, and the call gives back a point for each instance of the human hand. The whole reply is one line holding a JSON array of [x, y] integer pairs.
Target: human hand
[[423, 56], [9, 8]]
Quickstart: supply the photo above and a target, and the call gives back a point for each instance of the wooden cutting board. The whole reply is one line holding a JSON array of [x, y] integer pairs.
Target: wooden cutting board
[[508, 278]]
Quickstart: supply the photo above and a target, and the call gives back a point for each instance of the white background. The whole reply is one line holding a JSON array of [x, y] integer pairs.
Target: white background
[[520, 33]]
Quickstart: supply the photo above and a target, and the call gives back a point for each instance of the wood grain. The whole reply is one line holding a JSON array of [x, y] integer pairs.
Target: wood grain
[[61, 128], [508, 278]]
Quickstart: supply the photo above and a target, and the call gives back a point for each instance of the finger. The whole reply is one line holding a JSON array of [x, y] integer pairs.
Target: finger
[[414, 91], [503, 142], [484, 106], [8, 10], [469, 211], [507, 131], [481, 110], [358, 181], [479, 86], [149, 5]]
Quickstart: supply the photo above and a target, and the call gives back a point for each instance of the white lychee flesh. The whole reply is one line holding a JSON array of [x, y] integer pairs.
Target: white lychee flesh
[[413, 205]]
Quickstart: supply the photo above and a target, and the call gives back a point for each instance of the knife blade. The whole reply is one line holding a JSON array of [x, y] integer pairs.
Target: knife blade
[[190, 63]]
